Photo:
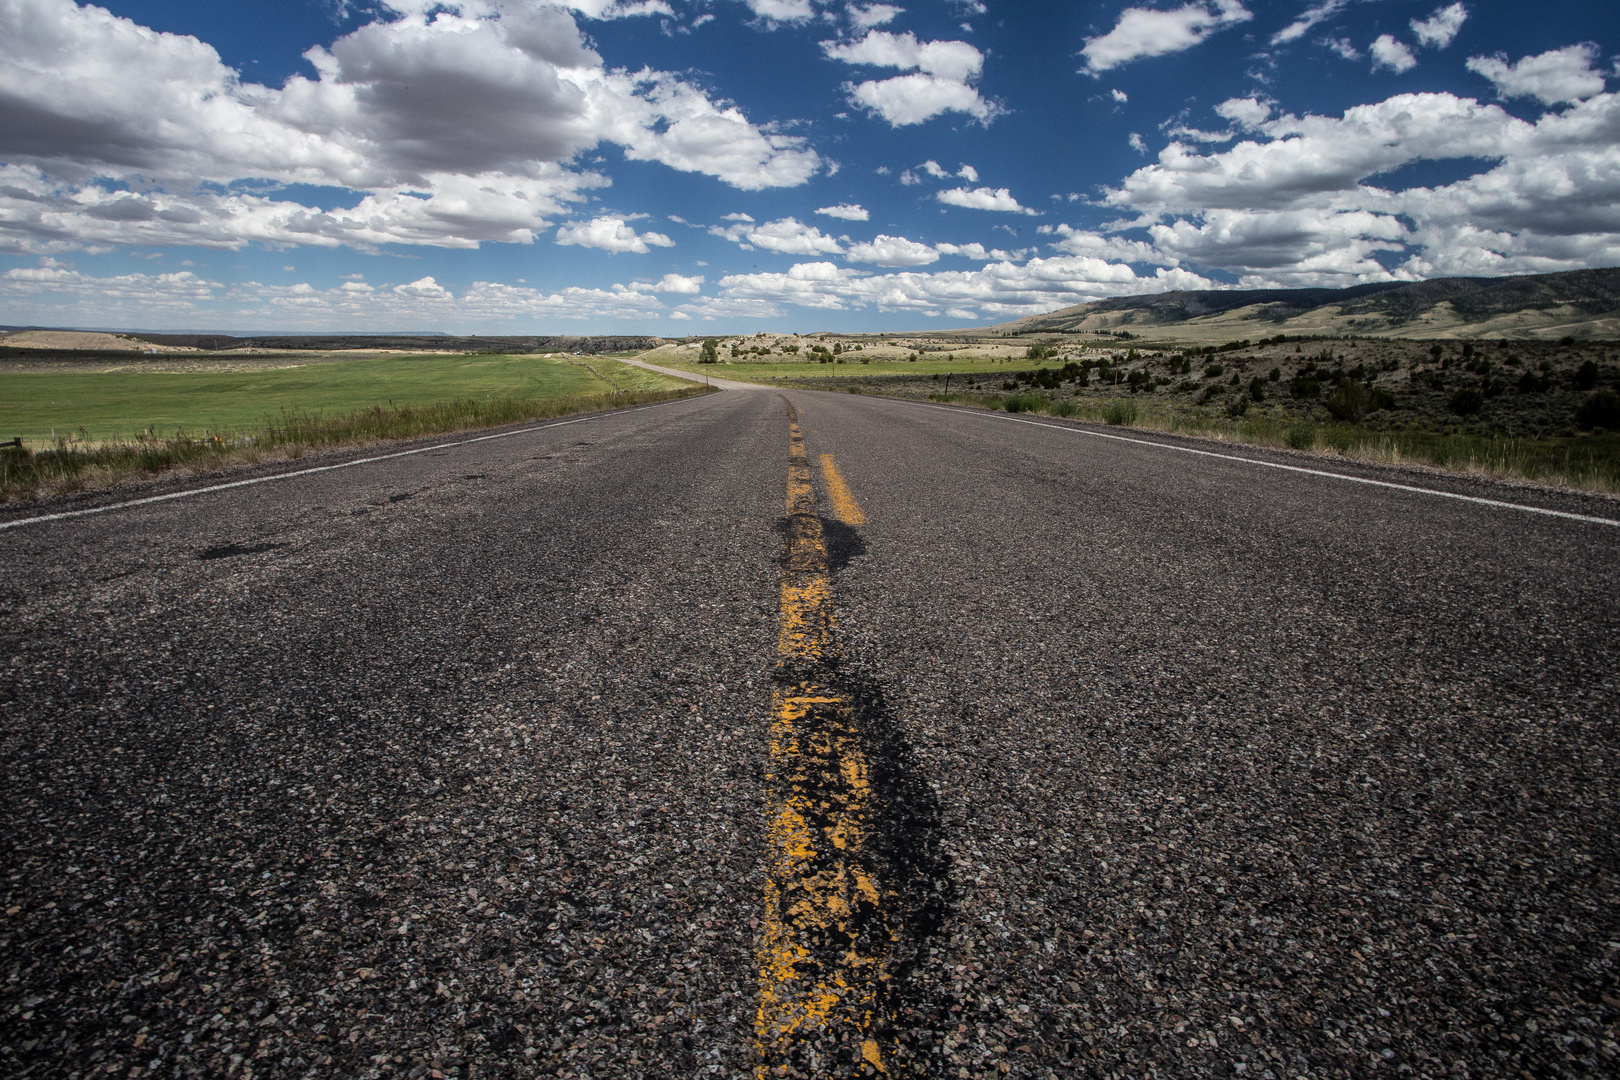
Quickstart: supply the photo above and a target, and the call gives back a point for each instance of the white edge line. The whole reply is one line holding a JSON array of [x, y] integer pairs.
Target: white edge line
[[1277, 465], [19, 522]]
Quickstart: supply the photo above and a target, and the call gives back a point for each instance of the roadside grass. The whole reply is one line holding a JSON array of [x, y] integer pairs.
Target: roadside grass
[[126, 402], [1589, 461], [79, 462]]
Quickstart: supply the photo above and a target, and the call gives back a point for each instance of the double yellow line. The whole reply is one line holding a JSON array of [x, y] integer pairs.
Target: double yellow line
[[827, 943]]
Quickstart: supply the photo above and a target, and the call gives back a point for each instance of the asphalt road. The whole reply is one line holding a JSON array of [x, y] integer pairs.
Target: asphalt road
[[640, 745]]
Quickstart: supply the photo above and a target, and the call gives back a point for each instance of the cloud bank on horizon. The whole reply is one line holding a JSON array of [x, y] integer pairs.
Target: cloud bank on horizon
[[613, 165]]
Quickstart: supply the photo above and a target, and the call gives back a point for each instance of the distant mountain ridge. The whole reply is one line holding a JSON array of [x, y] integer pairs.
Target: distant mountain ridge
[[1582, 303]]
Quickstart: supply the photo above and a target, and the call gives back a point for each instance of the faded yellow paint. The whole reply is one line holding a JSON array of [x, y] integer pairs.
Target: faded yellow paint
[[845, 508], [824, 948]]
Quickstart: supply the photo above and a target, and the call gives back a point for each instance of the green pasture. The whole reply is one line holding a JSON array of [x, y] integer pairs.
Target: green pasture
[[119, 404]]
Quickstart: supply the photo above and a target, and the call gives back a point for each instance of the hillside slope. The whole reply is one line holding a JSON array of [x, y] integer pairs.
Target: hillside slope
[[1577, 303]]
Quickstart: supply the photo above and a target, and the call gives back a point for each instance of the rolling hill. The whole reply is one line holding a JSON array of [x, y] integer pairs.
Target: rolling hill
[[1577, 303]]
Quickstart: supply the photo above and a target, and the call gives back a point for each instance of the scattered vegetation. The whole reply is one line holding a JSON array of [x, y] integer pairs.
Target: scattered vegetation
[[1120, 413], [1544, 410]]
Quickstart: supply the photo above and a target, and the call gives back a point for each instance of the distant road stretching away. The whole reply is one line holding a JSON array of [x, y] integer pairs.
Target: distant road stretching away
[[803, 734]]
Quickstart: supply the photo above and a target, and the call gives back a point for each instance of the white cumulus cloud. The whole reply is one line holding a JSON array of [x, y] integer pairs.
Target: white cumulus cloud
[[611, 234], [1246, 112], [1561, 75], [912, 99], [944, 72], [1395, 55], [59, 296], [866, 16], [878, 48], [1301, 203], [782, 11], [845, 211], [892, 251], [983, 198], [673, 283], [999, 290], [482, 114], [787, 236], [1144, 32], [1438, 30], [1343, 47], [616, 9]]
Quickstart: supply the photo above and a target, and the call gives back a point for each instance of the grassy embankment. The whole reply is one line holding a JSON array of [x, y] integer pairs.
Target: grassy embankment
[[114, 424], [1588, 461]]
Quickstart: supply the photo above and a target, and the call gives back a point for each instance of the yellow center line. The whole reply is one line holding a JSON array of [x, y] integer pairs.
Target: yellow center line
[[826, 944], [845, 508]]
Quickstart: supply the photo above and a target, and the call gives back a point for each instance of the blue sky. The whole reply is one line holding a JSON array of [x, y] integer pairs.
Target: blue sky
[[674, 167]]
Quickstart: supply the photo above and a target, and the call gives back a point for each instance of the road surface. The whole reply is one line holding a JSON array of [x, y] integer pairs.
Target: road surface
[[786, 733]]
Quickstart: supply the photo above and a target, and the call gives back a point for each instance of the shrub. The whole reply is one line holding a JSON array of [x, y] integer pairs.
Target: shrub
[[1586, 376], [1350, 401], [1061, 408], [1120, 413], [1214, 371], [1302, 436], [1304, 386], [1276, 374], [1602, 410], [1467, 401]]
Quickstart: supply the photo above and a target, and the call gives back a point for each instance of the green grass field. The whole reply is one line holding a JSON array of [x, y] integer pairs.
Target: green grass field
[[121, 404]]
